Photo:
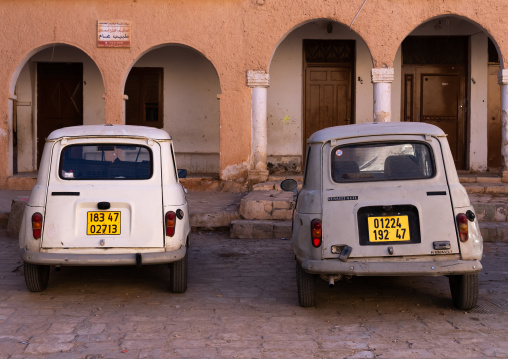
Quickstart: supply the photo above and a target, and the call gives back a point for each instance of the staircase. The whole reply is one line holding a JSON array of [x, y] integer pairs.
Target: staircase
[[267, 210]]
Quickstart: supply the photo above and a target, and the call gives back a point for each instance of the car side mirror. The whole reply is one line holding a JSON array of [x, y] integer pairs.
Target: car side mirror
[[289, 185]]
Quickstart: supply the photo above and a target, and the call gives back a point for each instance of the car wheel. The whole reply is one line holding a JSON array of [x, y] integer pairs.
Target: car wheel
[[178, 273], [306, 284], [464, 290], [36, 276]]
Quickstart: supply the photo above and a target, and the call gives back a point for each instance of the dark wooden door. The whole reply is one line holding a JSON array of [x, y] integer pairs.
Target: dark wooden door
[[328, 87], [144, 88], [59, 99], [494, 126], [437, 95]]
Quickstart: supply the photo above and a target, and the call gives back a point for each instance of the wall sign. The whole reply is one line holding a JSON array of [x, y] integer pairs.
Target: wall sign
[[113, 33]]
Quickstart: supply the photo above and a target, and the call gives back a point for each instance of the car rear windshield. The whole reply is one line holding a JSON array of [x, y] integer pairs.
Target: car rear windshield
[[105, 162], [387, 161]]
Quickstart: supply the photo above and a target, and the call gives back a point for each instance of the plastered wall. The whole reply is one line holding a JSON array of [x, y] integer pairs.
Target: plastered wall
[[235, 36]]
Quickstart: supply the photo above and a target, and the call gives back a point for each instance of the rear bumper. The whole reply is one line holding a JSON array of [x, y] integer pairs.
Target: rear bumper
[[358, 268], [106, 259]]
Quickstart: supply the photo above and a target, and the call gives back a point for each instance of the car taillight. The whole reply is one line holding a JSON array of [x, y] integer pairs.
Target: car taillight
[[462, 223], [170, 223], [36, 225], [317, 232]]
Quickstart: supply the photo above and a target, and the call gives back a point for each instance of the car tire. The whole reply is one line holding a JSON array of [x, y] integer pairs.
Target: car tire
[[178, 273], [464, 289], [36, 276], [306, 284]]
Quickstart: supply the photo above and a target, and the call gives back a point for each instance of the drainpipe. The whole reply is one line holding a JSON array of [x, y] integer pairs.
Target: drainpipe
[[258, 81], [382, 80], [502, 79]]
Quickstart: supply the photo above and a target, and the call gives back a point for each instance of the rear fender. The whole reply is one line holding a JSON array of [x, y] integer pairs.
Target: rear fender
[[473, 247], [26, 239]]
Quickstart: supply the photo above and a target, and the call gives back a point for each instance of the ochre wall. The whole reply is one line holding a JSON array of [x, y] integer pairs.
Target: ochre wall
[[235, 35]]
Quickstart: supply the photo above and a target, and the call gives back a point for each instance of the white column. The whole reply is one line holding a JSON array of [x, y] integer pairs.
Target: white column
[[258, 81], [382, 80], [502, 79]]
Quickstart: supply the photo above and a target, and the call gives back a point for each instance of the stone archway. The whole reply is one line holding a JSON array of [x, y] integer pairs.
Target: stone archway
[[46, 92], [319, 77], [176, 88], [444, 81]]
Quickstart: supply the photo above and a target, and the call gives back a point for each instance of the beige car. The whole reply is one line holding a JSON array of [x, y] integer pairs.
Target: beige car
[[106, 195], [384, 199]]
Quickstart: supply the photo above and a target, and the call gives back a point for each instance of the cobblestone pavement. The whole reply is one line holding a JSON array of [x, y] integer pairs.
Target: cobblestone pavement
[[242, 302]]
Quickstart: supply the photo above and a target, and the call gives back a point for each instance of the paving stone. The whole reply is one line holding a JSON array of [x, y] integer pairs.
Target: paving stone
[[242, 302]]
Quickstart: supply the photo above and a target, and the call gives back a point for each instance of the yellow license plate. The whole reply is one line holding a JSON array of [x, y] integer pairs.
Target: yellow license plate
[[388, 229], [103, 223]]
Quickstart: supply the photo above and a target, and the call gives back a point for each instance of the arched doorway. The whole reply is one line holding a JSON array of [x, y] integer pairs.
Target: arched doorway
[[319, 77], [58, 86], [176, 88], [445, 81]]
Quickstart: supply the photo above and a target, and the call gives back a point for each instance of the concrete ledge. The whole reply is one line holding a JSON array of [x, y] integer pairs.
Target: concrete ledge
[[486, 188], [212, 220], [201, 184], [494, 231], [4, 219], [17, 208], [260, 229]]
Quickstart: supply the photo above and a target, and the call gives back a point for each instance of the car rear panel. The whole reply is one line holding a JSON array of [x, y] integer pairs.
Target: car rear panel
[[97, 213], [388, 217]]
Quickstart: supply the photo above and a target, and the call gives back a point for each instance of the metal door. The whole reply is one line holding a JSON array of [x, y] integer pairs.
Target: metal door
[[437, 95]]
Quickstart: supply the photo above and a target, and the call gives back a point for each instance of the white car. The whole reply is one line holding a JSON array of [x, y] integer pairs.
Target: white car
[[106, 195], [384, 199]]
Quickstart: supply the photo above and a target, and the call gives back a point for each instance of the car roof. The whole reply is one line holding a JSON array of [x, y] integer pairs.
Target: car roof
[[109, 131], [375, 129]]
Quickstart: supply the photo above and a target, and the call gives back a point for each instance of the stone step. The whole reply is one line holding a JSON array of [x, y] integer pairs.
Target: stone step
[[280, 178], [260, 229], [490, 208], [494, 231], [479, 178], [271, 186], [267, 205], [486, 188]]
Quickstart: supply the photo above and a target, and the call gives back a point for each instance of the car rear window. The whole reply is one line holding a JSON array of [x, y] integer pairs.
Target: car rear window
[[105, 162], [386, 161]]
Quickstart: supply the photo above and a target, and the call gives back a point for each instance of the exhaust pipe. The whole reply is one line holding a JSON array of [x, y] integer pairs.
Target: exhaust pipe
[[331, 281]]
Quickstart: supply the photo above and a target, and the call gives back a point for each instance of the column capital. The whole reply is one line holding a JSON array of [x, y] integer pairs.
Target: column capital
[[383, 75], [502, 77], [258, 78]]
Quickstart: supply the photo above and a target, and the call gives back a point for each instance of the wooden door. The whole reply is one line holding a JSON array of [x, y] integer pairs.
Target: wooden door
[[494, 127], [59, 99], [328, 87], [437, 95], [327, 98]]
